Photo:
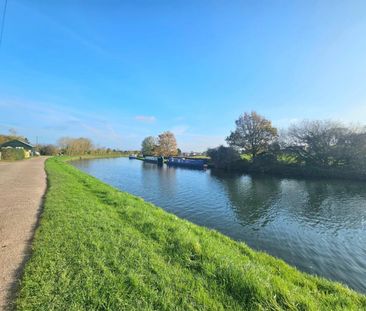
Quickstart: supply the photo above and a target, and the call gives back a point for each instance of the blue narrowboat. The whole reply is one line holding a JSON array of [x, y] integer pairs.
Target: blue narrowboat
[[157, 160], [184, 162]]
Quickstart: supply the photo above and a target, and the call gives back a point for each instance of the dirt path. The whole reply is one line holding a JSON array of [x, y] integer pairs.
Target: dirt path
[[22, 185]]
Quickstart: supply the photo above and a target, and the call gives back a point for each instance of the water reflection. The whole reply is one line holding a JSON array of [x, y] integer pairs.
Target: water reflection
[[156, 178], [251, 197], [329, 204], [318, 226]]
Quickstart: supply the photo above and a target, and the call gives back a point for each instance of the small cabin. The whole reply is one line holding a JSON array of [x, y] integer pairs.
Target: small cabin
[[18, 144]]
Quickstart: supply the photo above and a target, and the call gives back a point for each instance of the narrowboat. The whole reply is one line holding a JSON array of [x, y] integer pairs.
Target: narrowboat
[[132, 156], [156, 160], [186, 162]]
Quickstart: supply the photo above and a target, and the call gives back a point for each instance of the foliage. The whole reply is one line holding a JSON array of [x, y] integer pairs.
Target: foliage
[[164, 145], [326, 144], [149, 145], [253, 134], [75, 146], [101, 249], [12, 154], [48, 150], [167, 144], [319, 148], [223, 157]]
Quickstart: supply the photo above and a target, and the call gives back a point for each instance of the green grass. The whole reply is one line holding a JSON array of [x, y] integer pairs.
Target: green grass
[[101, 249], [287, 159], [97, 156]]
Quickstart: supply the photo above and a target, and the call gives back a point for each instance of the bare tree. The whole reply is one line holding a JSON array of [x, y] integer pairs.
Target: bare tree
[[75, 146], [253, 134], [321, 143]]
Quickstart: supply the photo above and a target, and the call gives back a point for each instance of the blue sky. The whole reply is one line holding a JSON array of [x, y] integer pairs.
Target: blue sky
[[117, 71]]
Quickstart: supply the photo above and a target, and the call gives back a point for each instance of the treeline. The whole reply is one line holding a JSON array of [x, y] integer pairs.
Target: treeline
[[164, 145], [64, 146], [307, 148], [75, 146]]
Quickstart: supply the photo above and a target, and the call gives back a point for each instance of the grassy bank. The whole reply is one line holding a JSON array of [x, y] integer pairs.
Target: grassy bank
[[100, 249], [95, 156]]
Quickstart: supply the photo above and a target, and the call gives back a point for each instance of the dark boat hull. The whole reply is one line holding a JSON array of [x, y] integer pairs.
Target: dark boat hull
[[188, 163], [157, 160]]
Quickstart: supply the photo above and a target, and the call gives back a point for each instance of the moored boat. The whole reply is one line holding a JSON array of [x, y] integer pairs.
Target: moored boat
[[152, 159], [186, 162]]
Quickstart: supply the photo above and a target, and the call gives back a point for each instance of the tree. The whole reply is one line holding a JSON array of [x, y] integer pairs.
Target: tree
[[319, 143], [223, 157], [253, 134], [167, 144], [327, 144], [63, 143], [48, 150], [75, 146], [355, 149], [148, 146]]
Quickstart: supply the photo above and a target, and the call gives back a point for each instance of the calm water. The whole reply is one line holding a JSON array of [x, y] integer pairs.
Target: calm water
[[317, 226]]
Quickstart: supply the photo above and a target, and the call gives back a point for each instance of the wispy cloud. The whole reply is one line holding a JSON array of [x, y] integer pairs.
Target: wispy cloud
[[145, 119], [50, 121], [197, 142], [179, 129]]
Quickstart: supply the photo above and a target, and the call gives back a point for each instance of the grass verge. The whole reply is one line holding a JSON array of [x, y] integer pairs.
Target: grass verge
[[101, 249]]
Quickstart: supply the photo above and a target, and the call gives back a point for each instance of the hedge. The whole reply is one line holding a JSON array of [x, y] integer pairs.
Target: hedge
[[12, 154]]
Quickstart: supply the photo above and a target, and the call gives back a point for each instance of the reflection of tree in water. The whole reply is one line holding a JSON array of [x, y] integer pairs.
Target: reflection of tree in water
[[251, 197], [331, 203], [159, 179]]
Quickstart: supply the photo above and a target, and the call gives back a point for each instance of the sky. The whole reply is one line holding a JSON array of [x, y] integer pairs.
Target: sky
[[118, 71]]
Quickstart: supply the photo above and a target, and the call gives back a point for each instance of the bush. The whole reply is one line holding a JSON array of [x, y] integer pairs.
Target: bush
[[48, 150], [12, 154], [223, 157]]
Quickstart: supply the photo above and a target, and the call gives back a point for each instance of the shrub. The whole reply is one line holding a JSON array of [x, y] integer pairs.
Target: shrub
[[223, 157], [48, 150], [12, 154]]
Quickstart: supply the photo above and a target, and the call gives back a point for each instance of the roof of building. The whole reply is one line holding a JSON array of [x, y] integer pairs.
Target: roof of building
[[10, 142]]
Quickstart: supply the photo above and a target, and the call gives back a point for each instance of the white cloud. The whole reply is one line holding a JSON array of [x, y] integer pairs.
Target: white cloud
[[145, 119], [196, 142]]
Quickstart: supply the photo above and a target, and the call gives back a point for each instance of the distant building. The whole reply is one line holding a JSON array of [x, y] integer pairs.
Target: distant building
[[18, 144]]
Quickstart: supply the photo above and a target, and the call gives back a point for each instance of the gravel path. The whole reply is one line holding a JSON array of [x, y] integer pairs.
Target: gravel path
[[22, 185]]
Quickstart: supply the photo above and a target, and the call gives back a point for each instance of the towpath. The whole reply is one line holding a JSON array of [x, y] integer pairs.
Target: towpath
[[22, 186]]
